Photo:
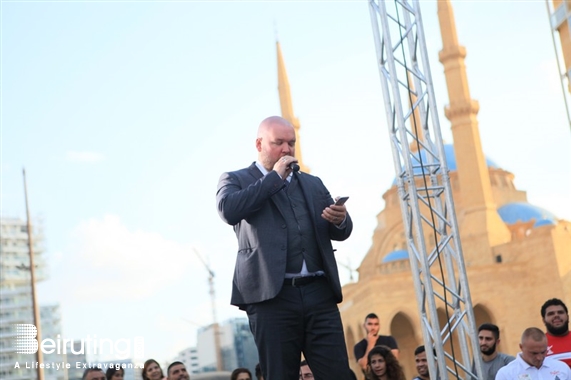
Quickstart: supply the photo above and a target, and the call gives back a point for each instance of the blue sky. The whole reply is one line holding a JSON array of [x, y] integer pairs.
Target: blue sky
[[125, 114]]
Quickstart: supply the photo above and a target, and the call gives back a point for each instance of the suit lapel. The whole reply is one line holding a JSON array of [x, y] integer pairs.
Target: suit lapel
[[255, 172]]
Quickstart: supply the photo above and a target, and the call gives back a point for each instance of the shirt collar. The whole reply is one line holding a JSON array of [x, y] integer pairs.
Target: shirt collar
[[523, 362], [261, 167]]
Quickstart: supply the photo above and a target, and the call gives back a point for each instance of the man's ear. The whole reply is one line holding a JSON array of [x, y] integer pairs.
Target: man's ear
[[259, 144]]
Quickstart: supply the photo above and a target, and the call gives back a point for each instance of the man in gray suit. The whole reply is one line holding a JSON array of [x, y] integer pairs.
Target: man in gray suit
[[286, 277]]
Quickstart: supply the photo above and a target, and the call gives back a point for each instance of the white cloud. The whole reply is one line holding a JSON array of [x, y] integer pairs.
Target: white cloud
[[84, 156], [123, 264]]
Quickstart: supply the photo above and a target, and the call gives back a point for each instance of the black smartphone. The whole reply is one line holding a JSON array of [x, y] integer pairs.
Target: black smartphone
[[341, 201]]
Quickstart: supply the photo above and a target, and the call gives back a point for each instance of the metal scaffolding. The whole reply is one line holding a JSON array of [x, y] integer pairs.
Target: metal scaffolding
[[423, 182]]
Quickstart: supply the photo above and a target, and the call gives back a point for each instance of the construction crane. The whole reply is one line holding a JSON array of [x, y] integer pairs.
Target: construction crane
[[559, 13], [349, 268], [215, 326], [424, 189]]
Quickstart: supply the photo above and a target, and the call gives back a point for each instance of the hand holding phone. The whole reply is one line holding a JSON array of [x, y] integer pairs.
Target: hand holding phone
[[341, 201]]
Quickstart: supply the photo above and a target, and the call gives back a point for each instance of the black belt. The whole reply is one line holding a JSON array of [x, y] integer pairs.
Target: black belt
[[301, 280]]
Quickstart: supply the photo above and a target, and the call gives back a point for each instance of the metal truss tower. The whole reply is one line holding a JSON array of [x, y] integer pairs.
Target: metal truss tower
[[424, 189]]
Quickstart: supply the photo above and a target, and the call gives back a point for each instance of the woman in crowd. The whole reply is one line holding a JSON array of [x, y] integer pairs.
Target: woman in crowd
[[114, 374], [152, 370], [241, 374], [383, 365]]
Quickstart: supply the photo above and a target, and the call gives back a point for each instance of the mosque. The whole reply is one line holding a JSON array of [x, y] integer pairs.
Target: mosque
[[517, 254]]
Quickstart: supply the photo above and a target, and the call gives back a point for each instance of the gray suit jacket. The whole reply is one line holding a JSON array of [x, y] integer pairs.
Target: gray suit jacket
[[244, 200]]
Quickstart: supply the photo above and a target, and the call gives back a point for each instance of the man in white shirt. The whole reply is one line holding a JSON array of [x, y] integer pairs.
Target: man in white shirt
[[531, 363]]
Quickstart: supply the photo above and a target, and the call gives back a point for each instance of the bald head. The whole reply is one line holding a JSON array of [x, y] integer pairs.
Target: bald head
[[533, 333], [271, 122], [533, 346], [276, 139]]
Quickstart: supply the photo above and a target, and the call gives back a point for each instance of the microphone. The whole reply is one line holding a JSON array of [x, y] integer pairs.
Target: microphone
[[294, 166]]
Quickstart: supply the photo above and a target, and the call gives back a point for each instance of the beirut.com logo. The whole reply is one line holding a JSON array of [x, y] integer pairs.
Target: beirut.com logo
[[26, 343]]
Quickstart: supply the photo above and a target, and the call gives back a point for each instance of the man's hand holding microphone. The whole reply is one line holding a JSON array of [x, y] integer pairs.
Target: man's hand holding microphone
[[285, 165]]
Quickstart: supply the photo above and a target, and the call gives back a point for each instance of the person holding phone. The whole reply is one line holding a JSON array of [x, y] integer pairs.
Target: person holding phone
[[286, 276]]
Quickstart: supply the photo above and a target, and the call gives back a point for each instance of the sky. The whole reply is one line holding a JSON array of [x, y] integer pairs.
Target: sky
[[124, 115]]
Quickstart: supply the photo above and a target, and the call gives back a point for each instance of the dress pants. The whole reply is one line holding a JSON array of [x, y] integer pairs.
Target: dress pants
[[300, 319]]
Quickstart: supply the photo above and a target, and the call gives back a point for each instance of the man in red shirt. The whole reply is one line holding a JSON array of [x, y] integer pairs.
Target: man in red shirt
[[556, 319]]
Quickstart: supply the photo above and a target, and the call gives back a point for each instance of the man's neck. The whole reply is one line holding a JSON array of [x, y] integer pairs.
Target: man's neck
[[262, 168], [489, 358]]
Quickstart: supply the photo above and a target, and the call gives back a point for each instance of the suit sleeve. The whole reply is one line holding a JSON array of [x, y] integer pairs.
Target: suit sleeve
[[237, 199], [341, 233]]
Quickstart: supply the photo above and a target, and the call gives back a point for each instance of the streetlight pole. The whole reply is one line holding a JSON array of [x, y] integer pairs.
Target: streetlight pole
[[37, 322]]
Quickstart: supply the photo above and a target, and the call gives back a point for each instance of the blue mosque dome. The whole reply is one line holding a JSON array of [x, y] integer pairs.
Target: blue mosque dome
[[450, 160], [524, 212], [401, 254]]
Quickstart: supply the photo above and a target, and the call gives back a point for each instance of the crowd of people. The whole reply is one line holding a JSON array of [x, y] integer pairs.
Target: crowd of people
[[151, 371], [543, 355]]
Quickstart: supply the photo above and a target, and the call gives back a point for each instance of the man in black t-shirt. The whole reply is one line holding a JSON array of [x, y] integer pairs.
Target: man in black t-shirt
[[372, 327]]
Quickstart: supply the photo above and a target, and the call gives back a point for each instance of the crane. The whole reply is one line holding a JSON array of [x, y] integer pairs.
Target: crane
[[423, 182], [349, 268], [215, 326], [558, 14]]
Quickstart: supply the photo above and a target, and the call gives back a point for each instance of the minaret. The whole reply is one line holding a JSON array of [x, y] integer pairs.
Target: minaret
[[415, 120], [481, 227], [287, 107]]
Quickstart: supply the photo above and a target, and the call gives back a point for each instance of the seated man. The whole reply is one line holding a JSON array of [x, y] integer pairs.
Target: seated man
[[93, 374], [421, 364], [493, 360], [177, 371], [304, 371], [556, 319], [532, 363]]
